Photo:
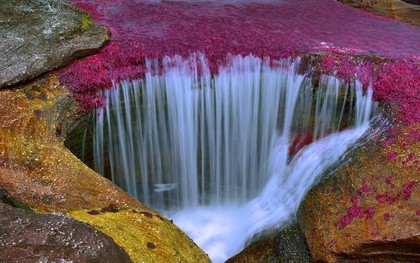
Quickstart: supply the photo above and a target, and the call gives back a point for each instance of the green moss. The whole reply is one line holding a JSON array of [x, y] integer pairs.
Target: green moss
[[7, 199], [36, 88], [86, 20]]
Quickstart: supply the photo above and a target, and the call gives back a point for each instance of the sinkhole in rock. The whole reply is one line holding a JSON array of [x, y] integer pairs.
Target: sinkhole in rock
[[226, 154]]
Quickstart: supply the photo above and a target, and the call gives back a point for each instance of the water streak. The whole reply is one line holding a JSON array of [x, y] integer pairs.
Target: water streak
[[222, 154]]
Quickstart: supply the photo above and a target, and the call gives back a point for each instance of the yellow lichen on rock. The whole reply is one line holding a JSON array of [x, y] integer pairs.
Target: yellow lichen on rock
[[136, 231], [39, 172], [47, 176]]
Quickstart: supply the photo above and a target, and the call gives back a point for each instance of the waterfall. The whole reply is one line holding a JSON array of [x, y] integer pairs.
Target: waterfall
[[230, 154]]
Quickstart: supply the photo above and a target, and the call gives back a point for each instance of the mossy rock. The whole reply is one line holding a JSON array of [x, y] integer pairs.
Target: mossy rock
[[37, 170], [136, 231]]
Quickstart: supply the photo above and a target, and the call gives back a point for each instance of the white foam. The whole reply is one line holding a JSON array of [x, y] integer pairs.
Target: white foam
[[214, 150], [222, 231]]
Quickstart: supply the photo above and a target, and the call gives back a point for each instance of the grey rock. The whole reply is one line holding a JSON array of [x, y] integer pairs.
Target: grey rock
[[29, 237], [276, 246], [37, 36]]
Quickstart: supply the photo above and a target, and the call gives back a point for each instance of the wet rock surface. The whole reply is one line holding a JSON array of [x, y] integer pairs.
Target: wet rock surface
[[286, 245], [367, 211], [407, 11], [40, 35], [29, 237], [38, 172]]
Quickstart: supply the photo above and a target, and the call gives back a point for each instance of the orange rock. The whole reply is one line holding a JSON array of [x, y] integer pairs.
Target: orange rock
[[403, 11], [36, 167], [37, 170], [368, 209]]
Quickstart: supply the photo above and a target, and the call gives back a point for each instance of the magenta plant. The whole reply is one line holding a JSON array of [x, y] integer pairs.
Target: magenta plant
[[143, 30]]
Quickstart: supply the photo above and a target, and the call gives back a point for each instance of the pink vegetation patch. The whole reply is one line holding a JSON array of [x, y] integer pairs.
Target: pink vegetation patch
[[348, 68], [399, 82], [364, 189], [388, 181], [403, 194], [276, 29], [392, 156], [299, 141], [356, 210]]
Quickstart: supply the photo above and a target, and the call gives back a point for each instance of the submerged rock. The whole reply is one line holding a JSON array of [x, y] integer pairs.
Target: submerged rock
[[29, 237], [407, 11], [286, 245], [40, 35], [36, 170], [367, 211]]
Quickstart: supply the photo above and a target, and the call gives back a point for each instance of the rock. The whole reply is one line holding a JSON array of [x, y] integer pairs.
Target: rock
[[147, 236], [40, 35], [286, 245], [407, 11], [35, 167], [367, 211], [29, 237], [38, 171]]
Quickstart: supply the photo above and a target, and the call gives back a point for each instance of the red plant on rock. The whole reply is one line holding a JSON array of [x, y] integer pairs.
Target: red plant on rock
[[399, 83]]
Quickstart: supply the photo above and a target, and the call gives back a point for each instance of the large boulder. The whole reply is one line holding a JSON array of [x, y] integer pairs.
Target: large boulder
[[37, 171], [407, 11], [29, 237], [368, 209], [35, 167], [40, 35]]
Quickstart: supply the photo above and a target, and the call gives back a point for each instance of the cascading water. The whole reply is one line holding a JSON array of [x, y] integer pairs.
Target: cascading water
[[218, 153]]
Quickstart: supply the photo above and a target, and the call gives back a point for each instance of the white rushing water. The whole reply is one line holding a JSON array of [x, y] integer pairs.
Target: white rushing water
[[218, 154]]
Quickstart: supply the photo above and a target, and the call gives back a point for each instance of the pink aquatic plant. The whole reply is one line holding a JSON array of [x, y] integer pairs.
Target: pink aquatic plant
[[392, 156], [399, 82], [142, 29]]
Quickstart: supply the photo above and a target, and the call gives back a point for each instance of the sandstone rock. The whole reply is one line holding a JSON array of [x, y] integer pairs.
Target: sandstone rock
[[40, 35], [367, 211], [37, 170], [29, 237], [407, 11], [286, 245]]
